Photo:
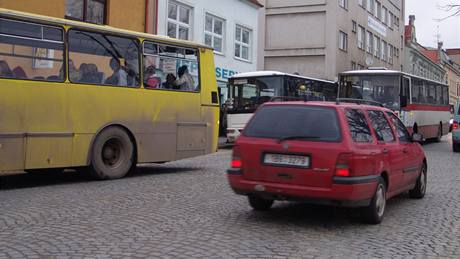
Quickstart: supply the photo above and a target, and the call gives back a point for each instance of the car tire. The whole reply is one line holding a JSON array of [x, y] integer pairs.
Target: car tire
[[259, 204], [419, 189], [112, 155], [373, 214], [456, 147]]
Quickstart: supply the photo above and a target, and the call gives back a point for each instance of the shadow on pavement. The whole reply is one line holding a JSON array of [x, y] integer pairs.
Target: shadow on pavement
[[39, 179], [308, 215]]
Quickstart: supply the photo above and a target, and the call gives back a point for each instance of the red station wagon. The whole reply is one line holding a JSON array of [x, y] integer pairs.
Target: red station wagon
[[343, 154]]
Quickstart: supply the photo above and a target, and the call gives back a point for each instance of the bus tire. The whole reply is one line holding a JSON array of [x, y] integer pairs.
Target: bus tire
[[439, 135], [112, 155]]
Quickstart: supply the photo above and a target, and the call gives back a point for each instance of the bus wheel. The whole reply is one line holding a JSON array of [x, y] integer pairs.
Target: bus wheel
[[439, 135], [112, 155]]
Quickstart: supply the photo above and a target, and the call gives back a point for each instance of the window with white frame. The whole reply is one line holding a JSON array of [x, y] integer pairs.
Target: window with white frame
[[384, 15], [353, 65], [361, 32], [378, 12], [343, 41], [179, 21], [242, 43], [214, 33], [396, 22], [390, 53], [369, 42], [343, 4], [370, 6], [377, 46], [384, 50], [390, 20], [353, 26]]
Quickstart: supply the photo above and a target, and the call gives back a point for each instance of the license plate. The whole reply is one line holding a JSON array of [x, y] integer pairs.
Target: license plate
[[289, 160]]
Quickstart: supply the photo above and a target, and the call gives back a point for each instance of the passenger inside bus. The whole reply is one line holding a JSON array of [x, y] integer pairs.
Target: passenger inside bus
[[185, 81], [19, 73], [5, 70], [119, 75], [169, 83], [151, 79]]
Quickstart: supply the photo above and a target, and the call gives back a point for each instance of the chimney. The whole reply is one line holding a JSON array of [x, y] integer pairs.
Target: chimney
[[411, 20], [439, 45]]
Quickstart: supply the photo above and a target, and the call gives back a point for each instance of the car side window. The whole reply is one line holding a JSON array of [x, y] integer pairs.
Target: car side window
[[381, 126], [359, 129], [401, 130]]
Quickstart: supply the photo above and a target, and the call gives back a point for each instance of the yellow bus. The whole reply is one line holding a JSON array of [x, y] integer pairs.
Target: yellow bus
[[78, 95]]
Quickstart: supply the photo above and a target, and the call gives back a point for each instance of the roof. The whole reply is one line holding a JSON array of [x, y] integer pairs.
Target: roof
[[384, 72], [256, 3], [273, 73], [327, 104], [105, 28], [453, 51]]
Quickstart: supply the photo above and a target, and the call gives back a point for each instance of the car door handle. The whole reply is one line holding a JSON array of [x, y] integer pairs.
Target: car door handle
[[405, 151], [385, 151]]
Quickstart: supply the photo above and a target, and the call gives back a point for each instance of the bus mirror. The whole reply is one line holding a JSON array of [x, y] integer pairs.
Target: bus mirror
[[403, 101]]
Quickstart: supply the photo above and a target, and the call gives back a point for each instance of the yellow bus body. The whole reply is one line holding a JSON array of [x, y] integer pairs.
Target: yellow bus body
[[53, 125]]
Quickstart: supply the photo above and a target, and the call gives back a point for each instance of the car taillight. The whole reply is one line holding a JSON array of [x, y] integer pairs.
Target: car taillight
[[236, 158], [455, 125], [342, 167]]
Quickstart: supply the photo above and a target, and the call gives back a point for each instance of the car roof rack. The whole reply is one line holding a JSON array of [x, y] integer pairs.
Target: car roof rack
[[358, 101]]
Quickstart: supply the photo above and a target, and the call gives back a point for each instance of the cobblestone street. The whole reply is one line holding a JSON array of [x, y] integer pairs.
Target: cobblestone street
[[186, 209]]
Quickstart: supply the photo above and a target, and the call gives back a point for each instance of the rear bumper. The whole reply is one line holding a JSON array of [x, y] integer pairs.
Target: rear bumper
[[345, 191]]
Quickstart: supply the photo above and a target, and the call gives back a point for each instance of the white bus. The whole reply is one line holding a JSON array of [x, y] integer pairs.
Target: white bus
[[422, 104], [249, 90]]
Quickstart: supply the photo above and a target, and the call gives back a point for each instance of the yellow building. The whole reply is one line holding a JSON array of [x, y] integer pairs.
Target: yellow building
[[130, 15]]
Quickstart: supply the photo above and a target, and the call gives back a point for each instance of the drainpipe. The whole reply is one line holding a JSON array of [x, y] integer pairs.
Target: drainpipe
[[146, 16], [156, 16]]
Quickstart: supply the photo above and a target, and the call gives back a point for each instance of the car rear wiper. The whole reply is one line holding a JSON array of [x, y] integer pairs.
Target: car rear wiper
[[297, 137]]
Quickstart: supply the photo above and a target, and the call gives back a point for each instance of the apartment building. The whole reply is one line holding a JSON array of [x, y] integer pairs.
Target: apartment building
[[321, 38]]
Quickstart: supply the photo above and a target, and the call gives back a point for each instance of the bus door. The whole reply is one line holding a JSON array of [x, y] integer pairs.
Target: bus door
[[405, 92]]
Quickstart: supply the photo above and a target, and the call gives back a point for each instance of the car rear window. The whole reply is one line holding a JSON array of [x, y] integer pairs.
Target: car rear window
[[294, 121]]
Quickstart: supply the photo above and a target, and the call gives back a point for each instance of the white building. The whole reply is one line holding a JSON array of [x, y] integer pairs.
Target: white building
[[230, 26]]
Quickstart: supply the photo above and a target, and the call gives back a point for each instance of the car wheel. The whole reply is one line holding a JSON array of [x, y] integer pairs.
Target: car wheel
[[419, 189], [456, 147], [259, 204], [112, 155], [373, 213]]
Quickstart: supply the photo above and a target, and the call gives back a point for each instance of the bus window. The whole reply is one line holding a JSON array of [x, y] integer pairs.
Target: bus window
[[439, 97], [170, 67], [31, 51], [103, 59]]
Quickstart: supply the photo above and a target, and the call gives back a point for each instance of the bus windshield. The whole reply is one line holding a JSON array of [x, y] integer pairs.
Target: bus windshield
[[249, 93], [379, 88]]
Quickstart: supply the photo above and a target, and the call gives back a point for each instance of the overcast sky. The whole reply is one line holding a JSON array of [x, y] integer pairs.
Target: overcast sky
[[426, 11]]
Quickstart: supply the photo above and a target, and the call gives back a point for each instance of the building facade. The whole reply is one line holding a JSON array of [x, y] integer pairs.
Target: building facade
[[130, 15], [321, 38], [230, 27], [452, 76], [415, 61]]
